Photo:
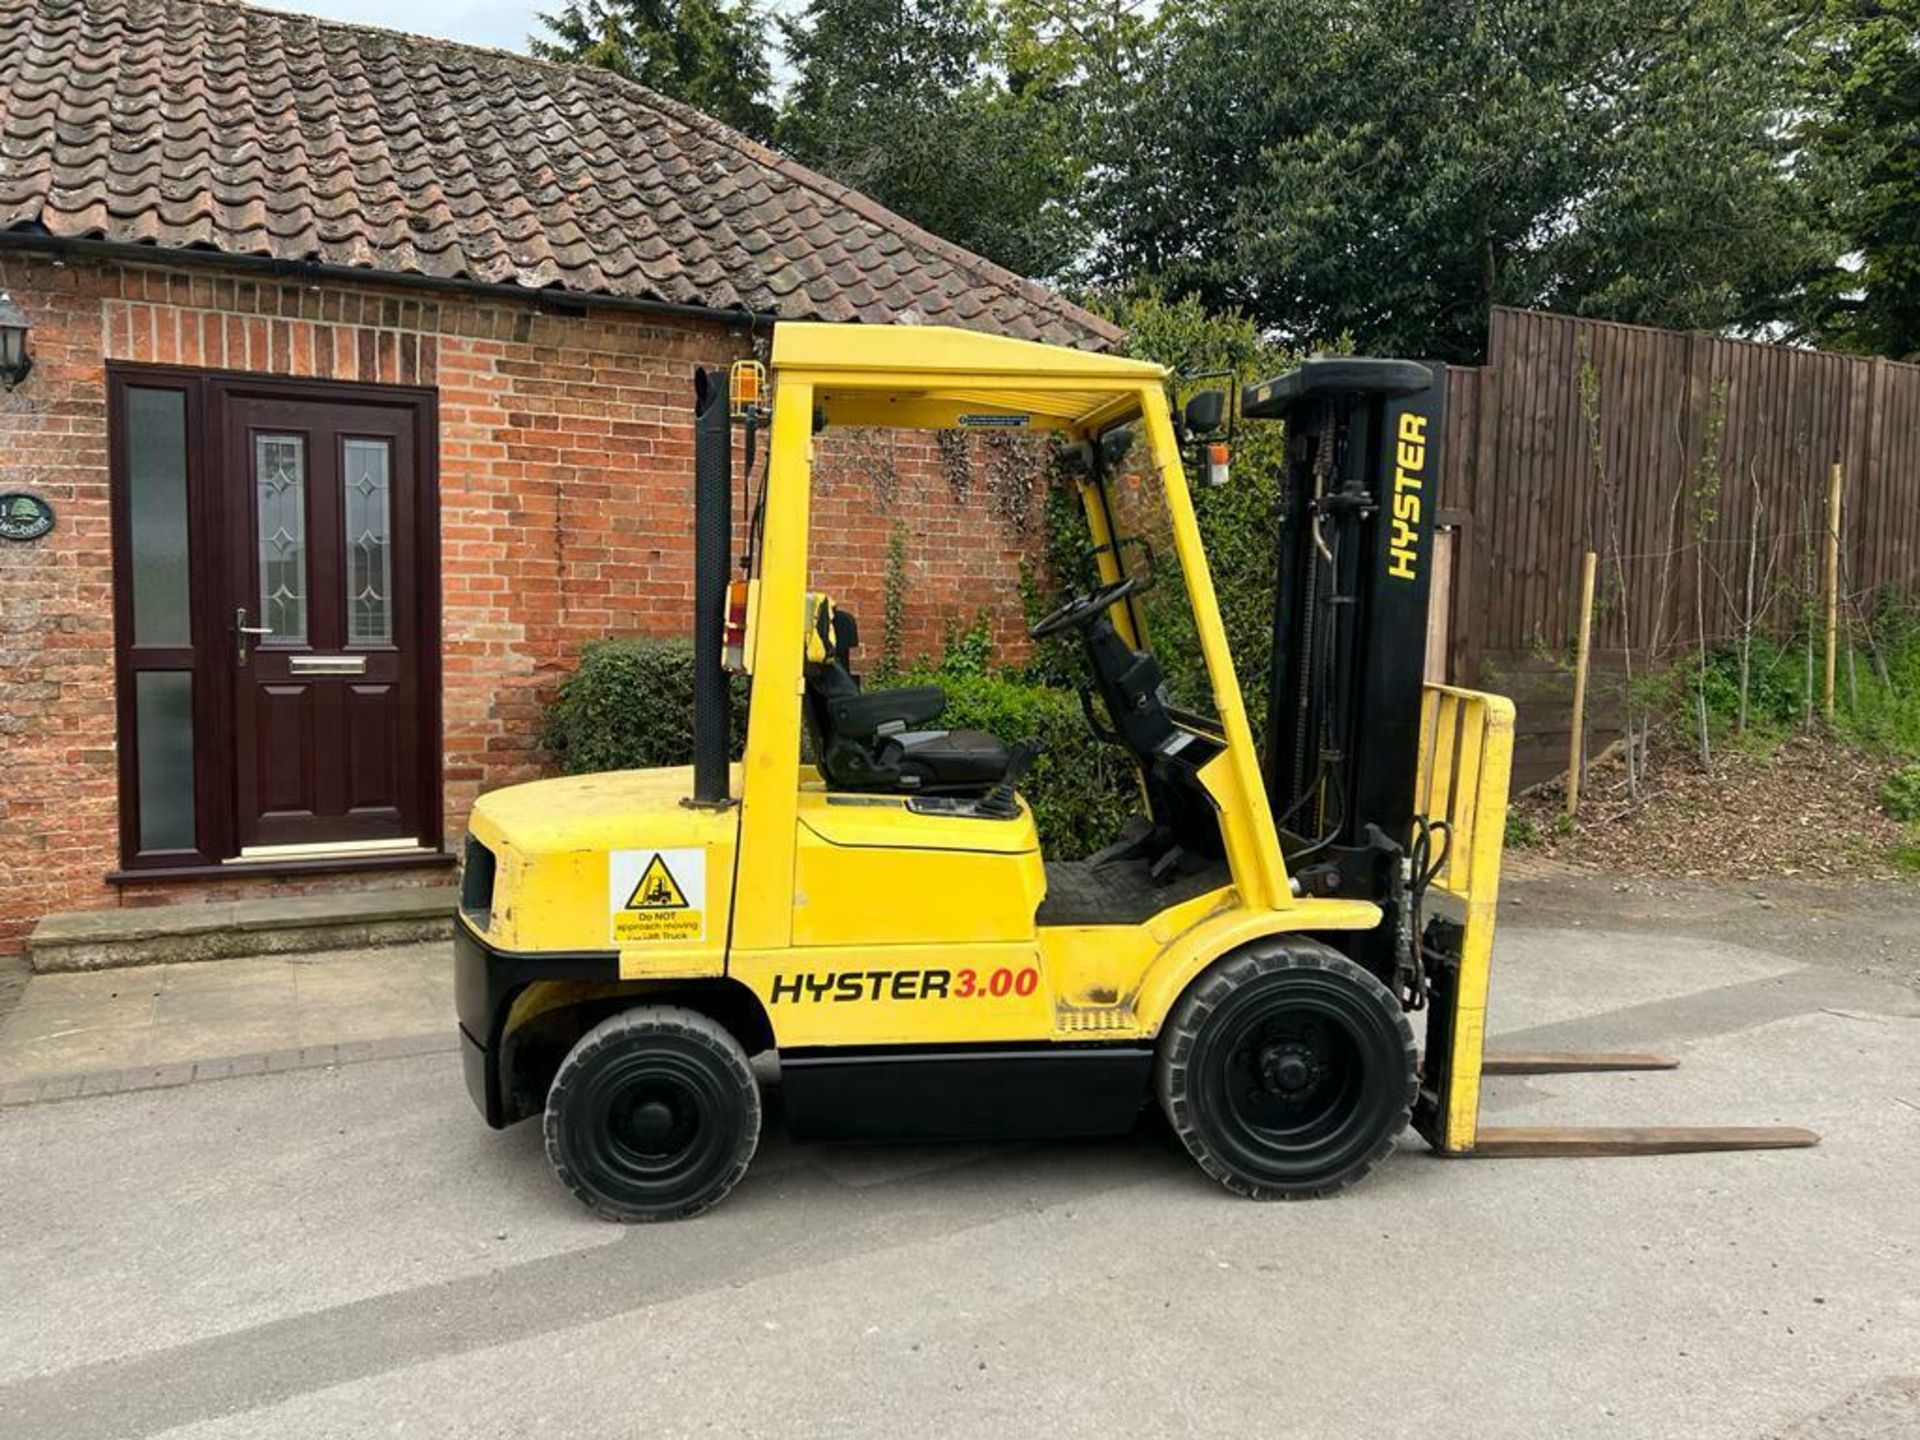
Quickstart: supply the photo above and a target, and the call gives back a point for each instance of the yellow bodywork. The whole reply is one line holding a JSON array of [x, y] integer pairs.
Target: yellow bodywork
[[860, 920]]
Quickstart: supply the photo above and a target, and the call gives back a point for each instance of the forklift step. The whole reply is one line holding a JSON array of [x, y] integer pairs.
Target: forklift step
[[1570, 1062], [1509, 1141], [1094, 1019]]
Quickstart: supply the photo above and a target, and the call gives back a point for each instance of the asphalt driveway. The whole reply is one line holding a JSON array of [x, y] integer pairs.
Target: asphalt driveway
[[349, 1251]]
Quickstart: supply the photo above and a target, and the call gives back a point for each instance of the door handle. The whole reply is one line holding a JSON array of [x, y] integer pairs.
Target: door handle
[[241, 630]]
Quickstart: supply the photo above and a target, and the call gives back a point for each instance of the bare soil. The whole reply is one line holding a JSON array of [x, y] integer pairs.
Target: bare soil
[[1809, 807]]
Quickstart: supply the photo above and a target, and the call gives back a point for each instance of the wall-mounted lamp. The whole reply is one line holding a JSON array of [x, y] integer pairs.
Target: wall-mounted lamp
[[15, 362]]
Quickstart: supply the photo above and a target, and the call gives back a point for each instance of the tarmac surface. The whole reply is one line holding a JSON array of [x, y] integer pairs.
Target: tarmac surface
[[348, 1251]]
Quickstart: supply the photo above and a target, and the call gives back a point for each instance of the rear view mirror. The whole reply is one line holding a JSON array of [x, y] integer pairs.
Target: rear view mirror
[[1206, 412]]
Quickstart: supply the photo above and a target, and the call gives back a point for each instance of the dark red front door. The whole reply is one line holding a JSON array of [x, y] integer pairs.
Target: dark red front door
[[325, 598]]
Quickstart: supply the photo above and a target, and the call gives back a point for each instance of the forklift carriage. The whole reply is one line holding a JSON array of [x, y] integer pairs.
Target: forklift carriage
[[875, 904]]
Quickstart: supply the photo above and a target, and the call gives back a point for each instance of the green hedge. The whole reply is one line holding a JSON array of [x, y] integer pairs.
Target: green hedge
[[1236, 520], [629, 706], [1081, 791]]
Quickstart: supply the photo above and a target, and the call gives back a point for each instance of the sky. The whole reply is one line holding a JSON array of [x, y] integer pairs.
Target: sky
[[502, 24]]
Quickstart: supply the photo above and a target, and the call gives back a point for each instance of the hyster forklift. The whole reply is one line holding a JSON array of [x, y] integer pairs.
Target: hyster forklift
[[865, 892]]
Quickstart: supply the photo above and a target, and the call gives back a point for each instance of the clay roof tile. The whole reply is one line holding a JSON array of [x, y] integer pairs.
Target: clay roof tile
[[214, 125]]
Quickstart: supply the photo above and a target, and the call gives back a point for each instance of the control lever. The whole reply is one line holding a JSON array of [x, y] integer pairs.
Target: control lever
[[1000, 802]]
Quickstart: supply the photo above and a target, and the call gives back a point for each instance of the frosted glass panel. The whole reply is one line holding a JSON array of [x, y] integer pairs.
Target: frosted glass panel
[[280, 487], [157, 522], [368, 521], [163, 723]]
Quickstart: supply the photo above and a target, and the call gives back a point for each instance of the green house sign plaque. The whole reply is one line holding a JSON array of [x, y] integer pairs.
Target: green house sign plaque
[[24, 516]]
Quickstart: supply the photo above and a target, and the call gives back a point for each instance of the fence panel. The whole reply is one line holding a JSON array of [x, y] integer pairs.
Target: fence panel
[[1695, 466]]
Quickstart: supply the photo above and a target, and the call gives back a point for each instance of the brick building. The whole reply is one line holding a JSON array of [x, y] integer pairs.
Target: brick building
[[382, 346]]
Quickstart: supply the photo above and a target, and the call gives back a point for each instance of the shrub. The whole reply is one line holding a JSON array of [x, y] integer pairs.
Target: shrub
[[1081, 790], [1776, 687], [1900, 795], [629, 706], [1521, 832], [1886, 715], [1871, 711], [1236, 521]]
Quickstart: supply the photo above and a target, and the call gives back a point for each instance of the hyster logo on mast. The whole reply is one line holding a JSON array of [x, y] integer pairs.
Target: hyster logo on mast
[[1410, 461]]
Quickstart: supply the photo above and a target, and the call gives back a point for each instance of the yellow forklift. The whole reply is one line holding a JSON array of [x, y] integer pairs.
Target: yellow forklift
[[865, 891]]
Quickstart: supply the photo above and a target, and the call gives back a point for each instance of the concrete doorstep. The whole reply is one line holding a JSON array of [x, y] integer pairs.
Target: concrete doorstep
[[103, 1032], [170, 934]]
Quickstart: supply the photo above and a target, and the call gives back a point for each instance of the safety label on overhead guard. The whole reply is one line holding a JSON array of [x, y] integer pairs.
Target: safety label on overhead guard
[[655, 895]]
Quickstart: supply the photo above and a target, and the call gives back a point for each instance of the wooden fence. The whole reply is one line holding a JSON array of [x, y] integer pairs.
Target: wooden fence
[[1682, 459]]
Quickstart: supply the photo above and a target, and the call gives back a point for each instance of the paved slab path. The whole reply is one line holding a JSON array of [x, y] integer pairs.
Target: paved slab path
[[149, 1027], [347, 1251]]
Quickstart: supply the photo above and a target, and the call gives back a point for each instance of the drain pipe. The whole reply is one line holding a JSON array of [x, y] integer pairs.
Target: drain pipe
[[712, 531]]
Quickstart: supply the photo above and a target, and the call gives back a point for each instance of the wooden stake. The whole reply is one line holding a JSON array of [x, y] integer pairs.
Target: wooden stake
[[1582, 657], [1833, 585]]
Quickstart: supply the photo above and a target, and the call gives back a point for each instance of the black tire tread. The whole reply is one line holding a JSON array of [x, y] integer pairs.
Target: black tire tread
[[1190, 1013], [654, 1020]]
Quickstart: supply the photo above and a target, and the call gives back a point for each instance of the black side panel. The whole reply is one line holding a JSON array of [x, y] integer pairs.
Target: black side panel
[[712, 527], [964, 1094], [485, 980]]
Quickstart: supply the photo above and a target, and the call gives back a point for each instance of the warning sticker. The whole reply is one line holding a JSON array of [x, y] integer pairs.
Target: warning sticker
[[657, 895]]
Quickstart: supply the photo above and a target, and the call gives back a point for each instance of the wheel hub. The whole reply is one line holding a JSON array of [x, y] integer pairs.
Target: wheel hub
[[651, 1123], [1289, 1068]]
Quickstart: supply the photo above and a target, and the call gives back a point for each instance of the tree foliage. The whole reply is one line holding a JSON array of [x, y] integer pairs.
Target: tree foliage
[[1391, 168], [710, 53], [910, 101], [1380, 169], [1864, 138]]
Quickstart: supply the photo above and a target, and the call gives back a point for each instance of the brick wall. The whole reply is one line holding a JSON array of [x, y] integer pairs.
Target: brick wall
[[966, 511], [565, 495]]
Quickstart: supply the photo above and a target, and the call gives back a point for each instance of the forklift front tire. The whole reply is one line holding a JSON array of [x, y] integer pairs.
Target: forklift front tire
[[1286, 1070], [653, 1115]]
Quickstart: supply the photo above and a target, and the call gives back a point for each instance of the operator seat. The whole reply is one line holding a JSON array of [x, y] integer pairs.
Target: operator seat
[[869, 741]]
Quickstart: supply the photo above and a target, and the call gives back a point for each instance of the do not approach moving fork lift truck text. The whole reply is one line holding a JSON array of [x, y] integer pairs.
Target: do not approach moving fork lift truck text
[[1247, 950]]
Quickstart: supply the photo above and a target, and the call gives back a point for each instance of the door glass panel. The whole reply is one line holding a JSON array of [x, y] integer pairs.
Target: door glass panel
[[280, 486], [157, 522], [163, 727], [368, 521]]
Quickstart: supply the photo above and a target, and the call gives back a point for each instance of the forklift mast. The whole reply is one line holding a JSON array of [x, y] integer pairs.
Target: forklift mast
[[1354, 550]]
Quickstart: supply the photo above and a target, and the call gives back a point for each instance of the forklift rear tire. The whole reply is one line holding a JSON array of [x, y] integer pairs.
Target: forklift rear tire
[[653, 1115], [1286, 1070]]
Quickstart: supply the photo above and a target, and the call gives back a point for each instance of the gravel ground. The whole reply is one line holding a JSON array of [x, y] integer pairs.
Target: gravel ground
[[1808, 808]]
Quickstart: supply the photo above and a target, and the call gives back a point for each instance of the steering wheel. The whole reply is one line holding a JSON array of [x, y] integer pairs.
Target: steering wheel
[[1084, 609]]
